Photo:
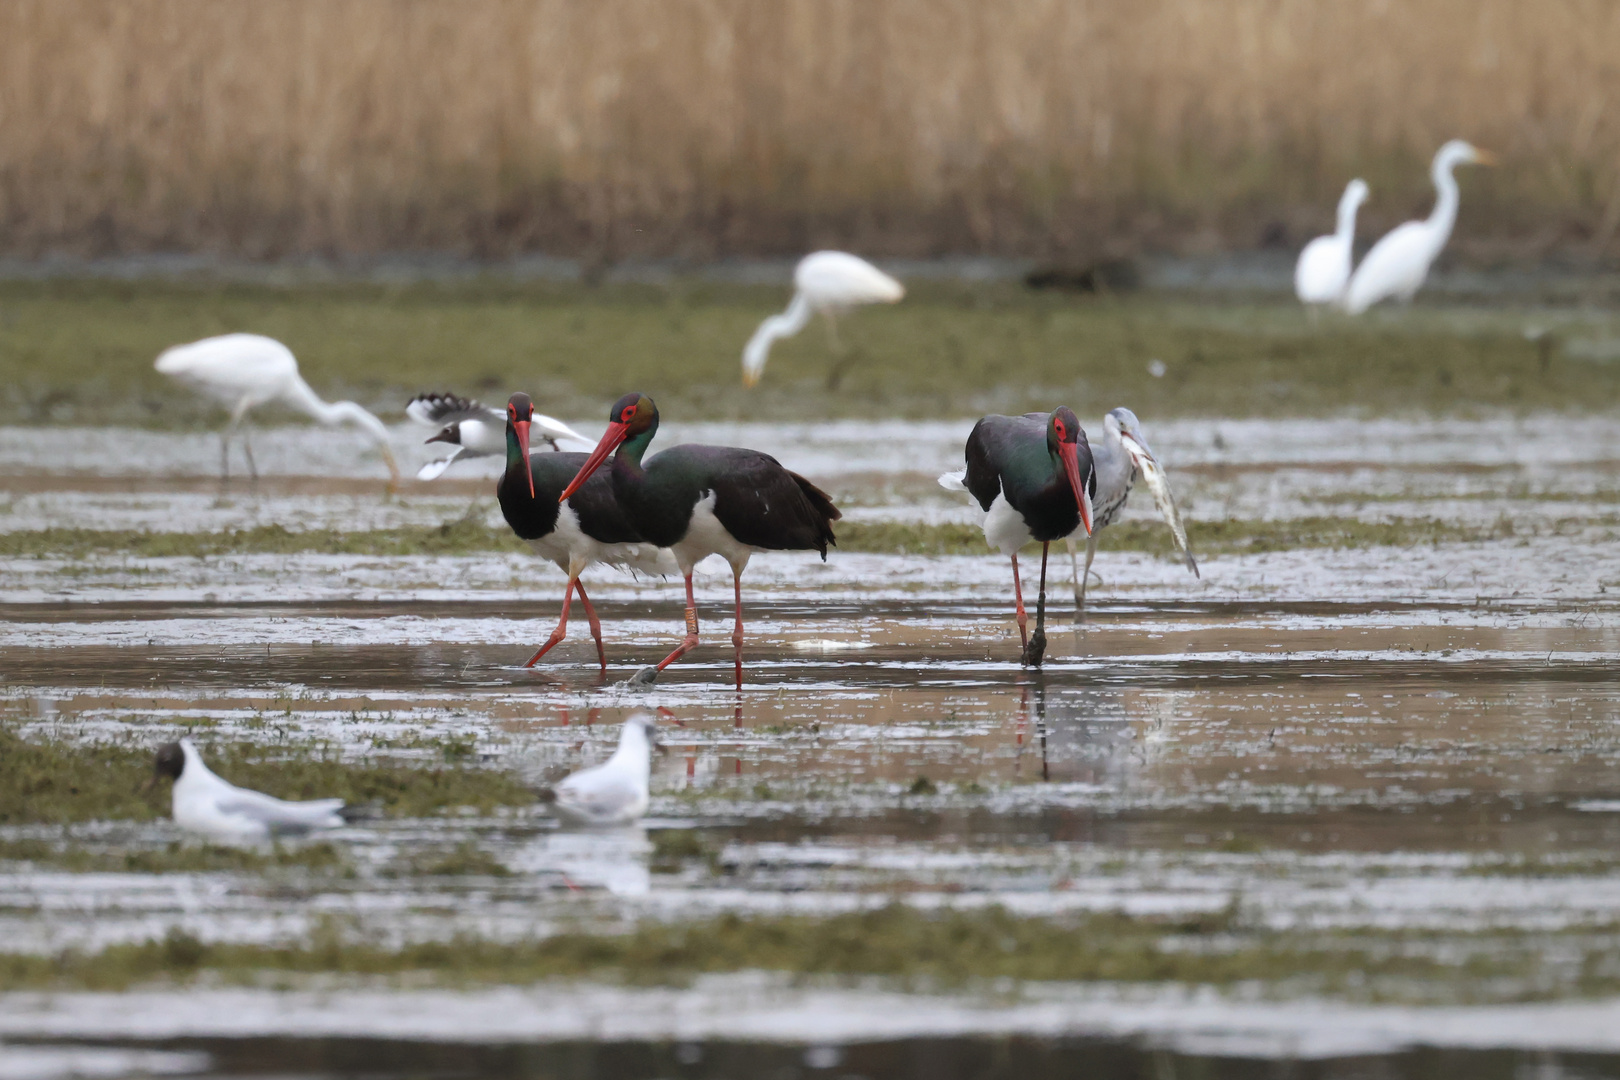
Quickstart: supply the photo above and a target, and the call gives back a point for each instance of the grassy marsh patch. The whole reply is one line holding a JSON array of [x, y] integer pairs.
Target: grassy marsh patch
[[60, 782], [950, 948], [323, 857], [67, 346], [465, 537]]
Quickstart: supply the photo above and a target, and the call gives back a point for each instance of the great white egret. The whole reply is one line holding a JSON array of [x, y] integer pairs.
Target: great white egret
[[1323, 269], [242, 371], [828, 282], [476, 430], [1397, 264]]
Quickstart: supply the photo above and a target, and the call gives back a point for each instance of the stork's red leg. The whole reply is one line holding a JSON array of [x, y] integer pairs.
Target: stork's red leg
[[1018, 597], [689, 642], [737, 633], [596, 625], [562, 625]]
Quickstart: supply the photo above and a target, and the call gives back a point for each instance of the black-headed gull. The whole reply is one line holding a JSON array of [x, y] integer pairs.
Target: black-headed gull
[[614, 792], [204, 803], [475, 429]]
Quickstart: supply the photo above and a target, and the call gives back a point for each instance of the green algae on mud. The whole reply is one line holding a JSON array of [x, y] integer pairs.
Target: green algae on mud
[[68, 346], [176, 857], [470, 537], [950, 948], [59, 782]]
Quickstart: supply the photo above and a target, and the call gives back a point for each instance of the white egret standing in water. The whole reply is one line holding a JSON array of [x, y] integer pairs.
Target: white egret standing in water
[[1397, 264], [242, 371], [1323, 269], [828, 282]]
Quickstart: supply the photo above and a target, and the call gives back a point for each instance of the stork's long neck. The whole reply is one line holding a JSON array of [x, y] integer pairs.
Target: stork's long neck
[[627, 460]]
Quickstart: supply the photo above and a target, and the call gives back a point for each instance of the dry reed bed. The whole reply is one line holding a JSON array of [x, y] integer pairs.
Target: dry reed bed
[[618, 127]]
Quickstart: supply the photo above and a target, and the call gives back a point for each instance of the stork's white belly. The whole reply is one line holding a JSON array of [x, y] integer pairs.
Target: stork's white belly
[[567, 543], [1004, 527], [705, 536]]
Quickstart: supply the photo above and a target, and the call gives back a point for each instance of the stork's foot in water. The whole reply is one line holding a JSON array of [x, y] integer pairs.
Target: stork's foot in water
[[645, 677], [1035, 651]]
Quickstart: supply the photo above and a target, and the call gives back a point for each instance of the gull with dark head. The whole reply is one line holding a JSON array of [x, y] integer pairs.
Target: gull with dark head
[[204, 803], [477, 430]]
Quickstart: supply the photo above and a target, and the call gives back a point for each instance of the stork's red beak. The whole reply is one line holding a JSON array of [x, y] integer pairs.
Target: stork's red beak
[[1071, 465], [616, 433], [522, 429]]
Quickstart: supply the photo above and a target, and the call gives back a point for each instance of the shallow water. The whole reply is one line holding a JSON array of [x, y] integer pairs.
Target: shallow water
[[1415, 741]]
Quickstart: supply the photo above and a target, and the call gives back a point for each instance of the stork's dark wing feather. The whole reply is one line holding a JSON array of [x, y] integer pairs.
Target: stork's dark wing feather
[[437, 410], [764, 505], [989, 450]]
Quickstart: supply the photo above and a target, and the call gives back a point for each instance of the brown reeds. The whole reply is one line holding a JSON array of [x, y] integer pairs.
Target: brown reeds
[[611, 128]]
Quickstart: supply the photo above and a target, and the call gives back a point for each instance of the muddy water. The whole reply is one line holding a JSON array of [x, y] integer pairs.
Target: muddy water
[[1402, 740]]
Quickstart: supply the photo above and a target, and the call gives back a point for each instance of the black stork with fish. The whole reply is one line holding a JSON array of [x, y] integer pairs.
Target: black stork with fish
[[1032, 476], [573, 529], [706, 500]]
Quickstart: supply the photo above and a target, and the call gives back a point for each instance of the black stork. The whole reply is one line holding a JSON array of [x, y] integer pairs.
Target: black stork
[[1032, 476], [699, 501], [588, 528]]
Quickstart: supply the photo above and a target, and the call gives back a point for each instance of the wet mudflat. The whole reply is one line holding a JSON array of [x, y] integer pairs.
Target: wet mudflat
[[1404, 756]]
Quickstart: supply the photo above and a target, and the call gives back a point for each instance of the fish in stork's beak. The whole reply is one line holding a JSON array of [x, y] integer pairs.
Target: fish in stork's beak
[[1137, 448], [617, 432]]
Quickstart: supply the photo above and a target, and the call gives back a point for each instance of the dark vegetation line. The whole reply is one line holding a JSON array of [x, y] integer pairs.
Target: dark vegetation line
[[948, 949], [471, 537]]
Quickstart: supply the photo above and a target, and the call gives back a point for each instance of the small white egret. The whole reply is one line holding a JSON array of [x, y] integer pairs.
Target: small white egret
[[1323, 269], [1397, 264], [204, 803], [242, 371], [828, 282], [476, 430]]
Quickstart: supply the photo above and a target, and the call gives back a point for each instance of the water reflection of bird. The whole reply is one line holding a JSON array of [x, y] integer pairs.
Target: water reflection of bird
[[1032, 476], [706, 500], [1397, 265], [614, 792], [1120, 457], [589, 527], [244, 371], [476, 429], [828, 282], [1323, 269], [206, 804]]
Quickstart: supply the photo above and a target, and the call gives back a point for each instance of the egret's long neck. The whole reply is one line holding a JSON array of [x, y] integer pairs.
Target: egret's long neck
[[1444, 215], [787, 324], [1346, 230], [301, 397]]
